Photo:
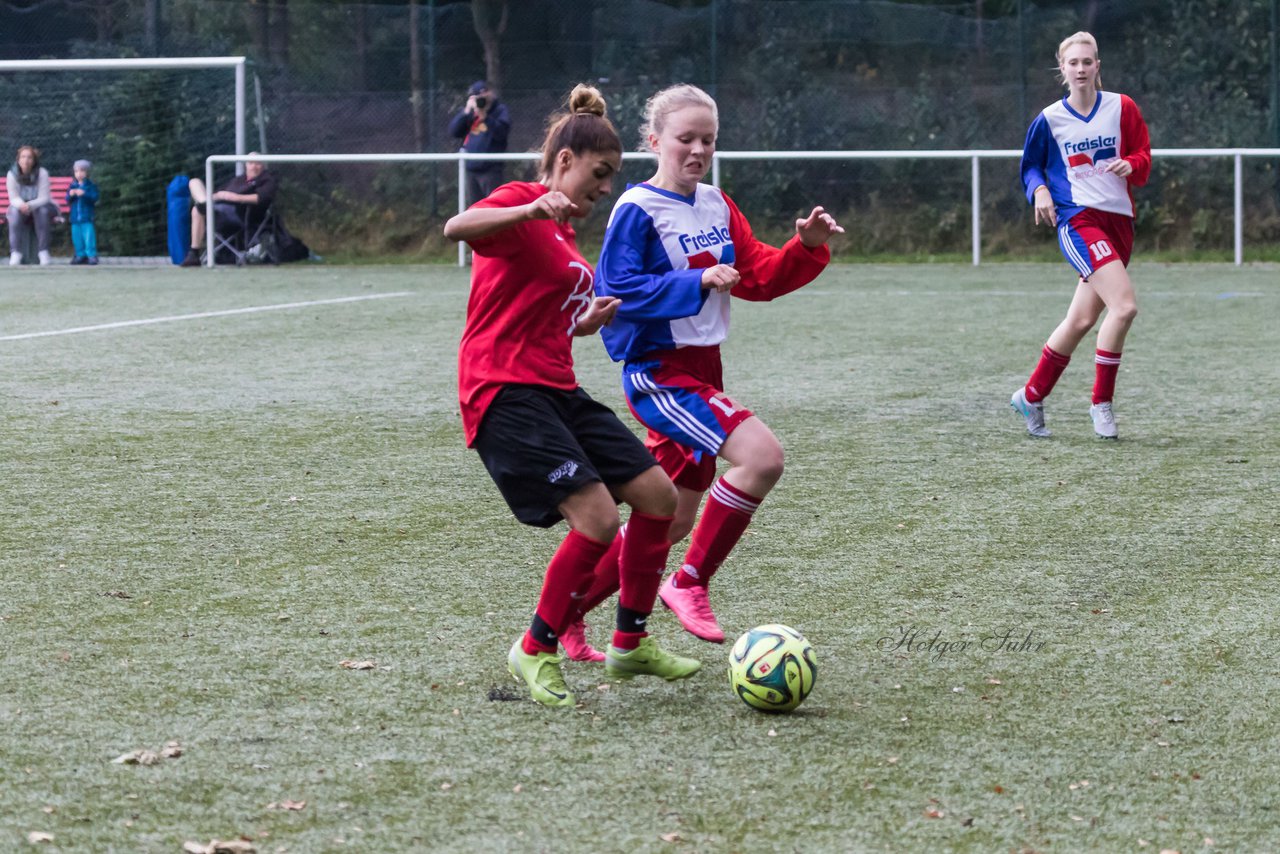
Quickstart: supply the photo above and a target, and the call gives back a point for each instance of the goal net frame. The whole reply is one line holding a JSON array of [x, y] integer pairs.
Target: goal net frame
[[106, 66], [146, 64]]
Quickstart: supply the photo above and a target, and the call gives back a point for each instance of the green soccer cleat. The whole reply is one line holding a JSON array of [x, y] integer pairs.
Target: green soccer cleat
[[647, 659], [541, 673]]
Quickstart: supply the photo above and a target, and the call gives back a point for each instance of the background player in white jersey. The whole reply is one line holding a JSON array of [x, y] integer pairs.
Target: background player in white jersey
[[1081, 157], [674, 251]]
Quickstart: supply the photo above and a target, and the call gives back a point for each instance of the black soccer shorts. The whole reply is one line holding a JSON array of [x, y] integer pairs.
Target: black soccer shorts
[[542, 444]]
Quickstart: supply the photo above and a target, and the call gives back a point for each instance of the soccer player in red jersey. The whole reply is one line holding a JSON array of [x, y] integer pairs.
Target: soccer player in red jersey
[[674, 252], [1082, 156], [553, 452]]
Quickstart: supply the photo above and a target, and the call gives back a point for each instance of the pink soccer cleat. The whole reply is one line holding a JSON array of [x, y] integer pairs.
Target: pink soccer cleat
[[574, 641], [691, 607]]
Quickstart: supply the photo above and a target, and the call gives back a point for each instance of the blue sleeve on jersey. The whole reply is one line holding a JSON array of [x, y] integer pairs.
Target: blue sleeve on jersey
[[634, 267], [1035, 156]]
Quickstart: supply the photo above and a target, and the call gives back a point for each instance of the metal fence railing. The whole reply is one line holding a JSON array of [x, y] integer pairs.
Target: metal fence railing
[[973, 157]]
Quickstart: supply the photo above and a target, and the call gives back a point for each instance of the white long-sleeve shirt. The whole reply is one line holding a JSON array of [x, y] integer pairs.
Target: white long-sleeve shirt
[[19, 192]]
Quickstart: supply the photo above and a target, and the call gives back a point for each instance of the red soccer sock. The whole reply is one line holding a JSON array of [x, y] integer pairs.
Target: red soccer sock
[[642, 560], [627, 640], [605, 582], [724, 519], [1106, 366], [1045, 376], [568, 576]]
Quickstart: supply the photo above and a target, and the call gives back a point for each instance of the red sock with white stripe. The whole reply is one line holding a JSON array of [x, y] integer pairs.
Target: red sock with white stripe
[[1107, 365], [724, 519], [641, 561], [1045, 376], [569, 574]]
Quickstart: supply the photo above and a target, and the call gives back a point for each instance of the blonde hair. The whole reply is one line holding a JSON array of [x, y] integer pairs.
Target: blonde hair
[[664, 103], [1078, 38], [583, 128]]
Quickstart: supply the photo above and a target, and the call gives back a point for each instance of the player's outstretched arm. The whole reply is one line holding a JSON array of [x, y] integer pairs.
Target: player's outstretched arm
[[477, 222], [817, 228]]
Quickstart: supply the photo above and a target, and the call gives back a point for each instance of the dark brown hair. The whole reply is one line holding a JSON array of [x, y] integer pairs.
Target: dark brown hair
[[583, 128], [35, 164]]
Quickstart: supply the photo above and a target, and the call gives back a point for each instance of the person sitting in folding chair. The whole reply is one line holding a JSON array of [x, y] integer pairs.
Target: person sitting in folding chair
[[241, 212]]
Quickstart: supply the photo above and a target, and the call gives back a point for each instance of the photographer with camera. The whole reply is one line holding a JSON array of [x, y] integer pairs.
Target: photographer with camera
[[483, 126]]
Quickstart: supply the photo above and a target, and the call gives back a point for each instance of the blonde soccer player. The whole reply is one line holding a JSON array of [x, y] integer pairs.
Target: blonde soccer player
[[1082, 157]]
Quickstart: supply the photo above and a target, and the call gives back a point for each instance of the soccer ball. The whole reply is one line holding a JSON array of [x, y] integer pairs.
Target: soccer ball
[[772, 668]]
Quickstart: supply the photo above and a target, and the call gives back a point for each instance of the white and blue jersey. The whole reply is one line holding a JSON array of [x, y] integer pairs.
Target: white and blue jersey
[[655, 248], [1068, 152]]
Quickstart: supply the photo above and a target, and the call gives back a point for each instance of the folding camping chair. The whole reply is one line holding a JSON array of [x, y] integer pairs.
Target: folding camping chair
[[248, 241]]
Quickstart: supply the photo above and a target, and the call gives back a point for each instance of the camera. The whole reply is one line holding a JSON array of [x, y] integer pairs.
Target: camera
[[482, 102]]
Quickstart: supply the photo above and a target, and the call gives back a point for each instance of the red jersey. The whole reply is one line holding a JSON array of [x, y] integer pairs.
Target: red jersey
[[529, 286]]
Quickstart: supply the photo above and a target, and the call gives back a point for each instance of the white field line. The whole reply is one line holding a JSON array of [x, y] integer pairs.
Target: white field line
[[200, 316]]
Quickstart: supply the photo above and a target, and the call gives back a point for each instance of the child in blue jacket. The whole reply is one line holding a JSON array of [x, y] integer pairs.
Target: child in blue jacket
[[82, 196]]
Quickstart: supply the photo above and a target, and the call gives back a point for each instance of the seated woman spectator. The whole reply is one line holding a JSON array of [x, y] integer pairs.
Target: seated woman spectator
[[30, 205], [244, 200]]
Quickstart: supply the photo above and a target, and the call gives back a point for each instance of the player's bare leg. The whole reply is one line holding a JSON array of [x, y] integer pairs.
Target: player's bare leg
[[1082, 314], [1113, 287]]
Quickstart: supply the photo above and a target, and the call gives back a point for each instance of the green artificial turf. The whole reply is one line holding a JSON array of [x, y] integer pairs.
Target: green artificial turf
[[1044, 645]]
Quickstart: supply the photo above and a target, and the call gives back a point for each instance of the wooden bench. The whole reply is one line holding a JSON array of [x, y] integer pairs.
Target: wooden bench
[[58, 187], [57, 193]]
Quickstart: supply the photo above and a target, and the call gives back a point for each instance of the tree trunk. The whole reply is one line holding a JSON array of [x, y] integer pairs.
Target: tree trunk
[[103, 18], [362, 45], [151, 27], [483, 13], [256, 18], [278, 34], [415, 79]]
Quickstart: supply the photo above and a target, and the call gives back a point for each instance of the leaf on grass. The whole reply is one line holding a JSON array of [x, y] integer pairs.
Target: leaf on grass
[[137, 757], [934, 812], [293, 805], [38, 836], [171, 750], [671, 837], [367, 664], [218, 846]]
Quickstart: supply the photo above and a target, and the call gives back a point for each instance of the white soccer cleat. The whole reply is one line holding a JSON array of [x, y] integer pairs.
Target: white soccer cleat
[[1104, 420], [1032, 412], [45, 260], [15, 258]]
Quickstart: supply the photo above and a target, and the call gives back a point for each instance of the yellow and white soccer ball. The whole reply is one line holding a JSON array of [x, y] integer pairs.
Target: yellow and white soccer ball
[[772, 668]]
